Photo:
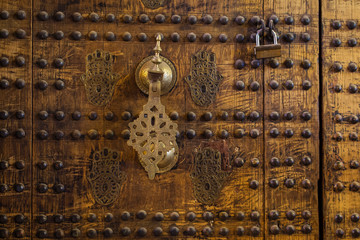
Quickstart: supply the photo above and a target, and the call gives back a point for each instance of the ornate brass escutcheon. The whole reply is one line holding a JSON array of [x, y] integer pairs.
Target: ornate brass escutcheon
[[153, 134], [105, 175], [204, 79], [99, 80], [154, 4]]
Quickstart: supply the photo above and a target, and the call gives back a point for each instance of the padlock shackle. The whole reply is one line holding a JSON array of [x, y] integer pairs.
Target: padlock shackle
[[258, 37]]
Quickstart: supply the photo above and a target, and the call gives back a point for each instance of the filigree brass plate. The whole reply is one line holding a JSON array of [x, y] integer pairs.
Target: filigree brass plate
[[153, 136], [105, 175], [169, 78], [99, 80], [204, 79], [154, 4], [208, 176]]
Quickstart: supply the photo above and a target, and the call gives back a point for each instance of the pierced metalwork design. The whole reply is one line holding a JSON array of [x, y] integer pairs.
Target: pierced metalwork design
[[99, 80], [153, 134], [209, 173], [204, 79], [154, 4], [105, 175]]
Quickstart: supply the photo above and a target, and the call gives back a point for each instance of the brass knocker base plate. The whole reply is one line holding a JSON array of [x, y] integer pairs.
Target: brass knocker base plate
[[168, 81]]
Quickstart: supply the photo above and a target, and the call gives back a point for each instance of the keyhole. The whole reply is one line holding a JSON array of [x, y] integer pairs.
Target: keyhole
[[153, 121], [207, 186], [98, 88]]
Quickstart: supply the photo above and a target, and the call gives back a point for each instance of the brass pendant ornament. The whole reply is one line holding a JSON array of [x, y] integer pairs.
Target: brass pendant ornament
[[208, 175], [154, 4], [153, 134], [169, 77], [99, 80], [105, 175], [204, 79]]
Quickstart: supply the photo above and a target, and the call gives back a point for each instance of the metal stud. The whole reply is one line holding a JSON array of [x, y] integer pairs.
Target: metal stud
[[142, 37], [191, 37], [76, 35], [157, 231], [159, 18], [274, 84], [206, 37], [20, 133], [20, 33], [353, 88], [254, 133], [4, 15], [305, 37], [239, 162], [274, 132], [110, 17], [336, 42], [351, 24], [93, 134], [289, 183], [58, 35], [336, 24], [352, 42], [59, 115], [207, 231], [141, 232], [352, 67], [255, 20], [254, 184], [175, 19], [141, 214], [239, 64], [240, 20], [306, 133], [4, 33], [59, 16], [75, 233], [339, 187], [127, 18], [58, 165], [192, 19], [240, 116], [339, 218], [239, 133], [41, 219], [93, 35], [254, 86], [239, 38], [143, 18], [175, 37], [125, 216], [125, 231], [207, 19], [4, 61], [4, 83], [208, 216], [110, 36], [76, 17], [274, 63]]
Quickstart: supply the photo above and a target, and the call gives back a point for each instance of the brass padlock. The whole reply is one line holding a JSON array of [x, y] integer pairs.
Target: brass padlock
[[267, 51]]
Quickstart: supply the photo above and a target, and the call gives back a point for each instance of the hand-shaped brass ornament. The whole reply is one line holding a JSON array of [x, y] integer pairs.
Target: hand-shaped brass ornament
[[153, 134]]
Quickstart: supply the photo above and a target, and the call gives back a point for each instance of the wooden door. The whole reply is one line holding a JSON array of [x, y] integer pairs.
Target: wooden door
[[260, 156]]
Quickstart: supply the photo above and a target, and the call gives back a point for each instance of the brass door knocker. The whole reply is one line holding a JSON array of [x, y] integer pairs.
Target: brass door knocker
[[153, 134]]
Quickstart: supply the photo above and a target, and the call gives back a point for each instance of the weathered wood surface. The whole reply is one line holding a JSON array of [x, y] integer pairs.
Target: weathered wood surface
[[340, 153], [15, 153], [173, 190]]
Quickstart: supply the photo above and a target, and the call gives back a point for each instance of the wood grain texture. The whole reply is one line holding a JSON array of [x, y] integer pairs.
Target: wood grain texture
[[13, 99], [344, 103], [297, 101]]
